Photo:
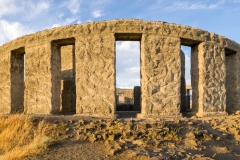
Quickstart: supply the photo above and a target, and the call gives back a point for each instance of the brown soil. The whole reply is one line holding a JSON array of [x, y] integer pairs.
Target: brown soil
[[130, 138]]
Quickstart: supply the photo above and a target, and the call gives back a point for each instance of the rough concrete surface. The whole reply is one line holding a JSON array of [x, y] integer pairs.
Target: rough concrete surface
[[34, 67]]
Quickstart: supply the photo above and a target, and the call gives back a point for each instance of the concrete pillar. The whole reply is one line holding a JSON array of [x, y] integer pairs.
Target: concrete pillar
[[188, 100], [5, 89], [38, 80], [137, 98], [195, 78], [161, 76], [211, 81], [95, 75], [183, 82], [56, 77]]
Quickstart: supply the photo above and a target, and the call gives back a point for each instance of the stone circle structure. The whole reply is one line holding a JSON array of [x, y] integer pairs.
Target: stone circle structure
[[33, 80]]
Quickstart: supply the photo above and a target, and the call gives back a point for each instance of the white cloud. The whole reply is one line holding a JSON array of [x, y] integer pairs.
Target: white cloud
[[128, 64], [189, 5], [73, 6], [60, 15], [97, 14], [70, 20], [67, 21], [16, 8], [56, 25], [187, 70], [12, 30], [8, 7], [41, 6], [89, 20], [128, 46], [34, 10], [187, 53]]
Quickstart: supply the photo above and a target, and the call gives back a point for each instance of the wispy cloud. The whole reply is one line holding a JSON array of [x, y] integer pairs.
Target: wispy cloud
[[190, 5], [41, 7], [12, 30], [19, 8], [97, 14], [98, 8], [89, 20], [21, 12], [197, 5], [8, 7], [67, 21], [74, 6]]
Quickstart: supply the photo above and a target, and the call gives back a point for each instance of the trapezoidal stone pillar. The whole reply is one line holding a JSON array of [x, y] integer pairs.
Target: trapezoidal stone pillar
[[161, 76], [95, 75], [38, 81], [183, 82], [5, 83], [137, 98], [211, 96]]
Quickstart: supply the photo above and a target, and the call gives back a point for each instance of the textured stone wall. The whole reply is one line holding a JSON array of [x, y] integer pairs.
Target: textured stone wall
[[56, 77], [212, 74], [38, 80], [95, 69], [161, 76], [5, 83], [95, 75], [195, 78]]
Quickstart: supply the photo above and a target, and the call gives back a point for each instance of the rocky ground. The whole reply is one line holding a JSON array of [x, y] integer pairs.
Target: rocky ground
[[131, 138]]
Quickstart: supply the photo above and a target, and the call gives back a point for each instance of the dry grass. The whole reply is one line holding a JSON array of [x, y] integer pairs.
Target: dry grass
[[21, 136]]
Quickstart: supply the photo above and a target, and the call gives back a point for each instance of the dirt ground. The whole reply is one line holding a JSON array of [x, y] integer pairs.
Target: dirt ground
[[87, 138]]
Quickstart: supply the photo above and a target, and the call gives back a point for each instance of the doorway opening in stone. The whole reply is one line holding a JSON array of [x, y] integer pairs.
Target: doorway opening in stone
[[63, 71], [231, 81], [17, 80], [186, 89], [189, 77], [128, 85]]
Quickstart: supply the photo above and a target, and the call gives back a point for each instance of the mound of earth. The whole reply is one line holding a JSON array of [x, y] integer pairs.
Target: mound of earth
[[78, 137]]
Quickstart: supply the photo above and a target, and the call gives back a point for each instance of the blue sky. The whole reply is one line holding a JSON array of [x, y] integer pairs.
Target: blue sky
[[20, 17]]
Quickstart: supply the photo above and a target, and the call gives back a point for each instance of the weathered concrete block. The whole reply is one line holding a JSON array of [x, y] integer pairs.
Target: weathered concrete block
[[38, 91], [95, 81], [161, 68]]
